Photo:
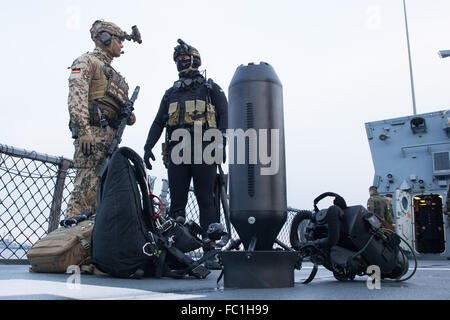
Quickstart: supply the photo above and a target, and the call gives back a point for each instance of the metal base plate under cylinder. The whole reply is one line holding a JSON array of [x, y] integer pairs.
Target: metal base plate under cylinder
[[259, 269]]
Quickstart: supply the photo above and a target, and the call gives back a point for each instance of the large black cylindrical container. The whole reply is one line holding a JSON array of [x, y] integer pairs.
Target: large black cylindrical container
[[258, 205]]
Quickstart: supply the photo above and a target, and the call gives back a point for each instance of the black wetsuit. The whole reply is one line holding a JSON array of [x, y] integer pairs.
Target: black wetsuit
[[190, 88]]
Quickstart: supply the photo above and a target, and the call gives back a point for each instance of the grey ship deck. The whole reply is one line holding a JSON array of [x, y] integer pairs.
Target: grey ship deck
[[431, 282]]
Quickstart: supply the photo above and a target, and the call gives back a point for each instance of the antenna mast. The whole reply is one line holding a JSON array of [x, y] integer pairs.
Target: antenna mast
[[410, 64]]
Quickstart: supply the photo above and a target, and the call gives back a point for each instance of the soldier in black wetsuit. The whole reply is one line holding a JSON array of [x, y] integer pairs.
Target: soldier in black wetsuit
[[191, 100]]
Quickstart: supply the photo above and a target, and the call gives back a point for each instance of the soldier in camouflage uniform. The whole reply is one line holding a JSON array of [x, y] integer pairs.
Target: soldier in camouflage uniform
[[388, 197], [96, 95], [379, 206]]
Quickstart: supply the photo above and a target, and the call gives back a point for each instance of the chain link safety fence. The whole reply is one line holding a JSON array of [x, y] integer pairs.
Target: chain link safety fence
[[34, 192]]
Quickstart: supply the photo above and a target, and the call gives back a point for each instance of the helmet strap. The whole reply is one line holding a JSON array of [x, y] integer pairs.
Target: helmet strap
[[191, 68]]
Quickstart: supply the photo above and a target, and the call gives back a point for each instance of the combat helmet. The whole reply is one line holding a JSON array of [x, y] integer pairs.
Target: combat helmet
[[184, 49], [104, 31]]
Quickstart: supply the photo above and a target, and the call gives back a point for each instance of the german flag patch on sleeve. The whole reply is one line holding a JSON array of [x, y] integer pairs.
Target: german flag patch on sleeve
[[75, 73]]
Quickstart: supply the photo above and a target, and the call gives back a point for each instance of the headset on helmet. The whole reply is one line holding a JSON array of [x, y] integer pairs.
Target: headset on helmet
[[105, 38], [104, 31]]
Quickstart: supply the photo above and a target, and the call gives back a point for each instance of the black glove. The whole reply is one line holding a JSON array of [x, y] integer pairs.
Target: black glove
[[148, 154]]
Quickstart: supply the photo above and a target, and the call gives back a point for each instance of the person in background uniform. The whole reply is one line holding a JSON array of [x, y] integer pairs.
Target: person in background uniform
[[379, 205], [191, 100], [431, 225], [388, 197], [97, 92]]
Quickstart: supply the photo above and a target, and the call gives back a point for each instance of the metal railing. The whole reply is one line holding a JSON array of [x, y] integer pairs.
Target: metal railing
[[34, 192]]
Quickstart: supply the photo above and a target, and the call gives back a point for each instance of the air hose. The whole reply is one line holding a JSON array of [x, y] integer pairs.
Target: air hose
[[161, 204], [404, 258], [295, 241], [299, 217]]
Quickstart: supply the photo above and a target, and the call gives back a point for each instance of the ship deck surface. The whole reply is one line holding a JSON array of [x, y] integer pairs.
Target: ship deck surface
[[431, 281]]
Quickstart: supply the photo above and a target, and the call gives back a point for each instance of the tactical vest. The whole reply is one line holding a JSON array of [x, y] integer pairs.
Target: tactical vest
[[190, 105], [110, 90]]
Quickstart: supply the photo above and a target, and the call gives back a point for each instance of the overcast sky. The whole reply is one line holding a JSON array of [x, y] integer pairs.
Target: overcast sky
[[341, 63]]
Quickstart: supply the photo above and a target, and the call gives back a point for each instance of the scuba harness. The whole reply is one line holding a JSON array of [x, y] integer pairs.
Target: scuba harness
[[137, 238], [186, 108], [184, 113], [347, 240]]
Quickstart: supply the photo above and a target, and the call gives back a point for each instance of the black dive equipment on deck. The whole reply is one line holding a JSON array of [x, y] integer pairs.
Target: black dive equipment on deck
[[258, 205], [347, 240], [131, 238], [122, 224]]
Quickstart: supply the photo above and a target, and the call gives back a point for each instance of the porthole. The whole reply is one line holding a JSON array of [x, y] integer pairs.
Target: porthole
[[405, 203]]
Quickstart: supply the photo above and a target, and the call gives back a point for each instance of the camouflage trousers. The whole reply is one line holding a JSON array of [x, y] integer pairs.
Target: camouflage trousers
[[84, 194]]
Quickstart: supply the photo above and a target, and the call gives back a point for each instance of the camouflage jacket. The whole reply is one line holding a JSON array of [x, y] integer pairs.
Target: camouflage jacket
[[84, 69], [380, 206]]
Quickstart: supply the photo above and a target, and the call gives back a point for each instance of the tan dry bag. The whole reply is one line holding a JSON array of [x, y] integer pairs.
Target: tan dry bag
[[62, 248]]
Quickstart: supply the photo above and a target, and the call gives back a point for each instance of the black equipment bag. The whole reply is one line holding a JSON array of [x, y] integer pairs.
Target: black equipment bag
[[122, 228], [125, 241], [348, 239], [355, 235]]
